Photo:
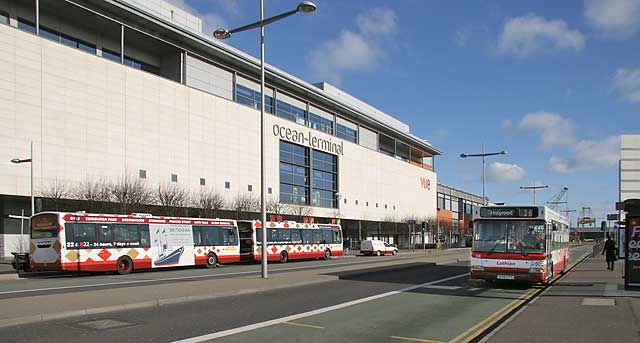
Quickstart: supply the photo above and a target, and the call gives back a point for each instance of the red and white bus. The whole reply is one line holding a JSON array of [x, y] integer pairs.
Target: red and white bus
[[522, 243], [290, 240], [105, 242]]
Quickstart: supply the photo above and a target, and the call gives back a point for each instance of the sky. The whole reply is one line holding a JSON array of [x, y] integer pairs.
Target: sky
[[554, 83]]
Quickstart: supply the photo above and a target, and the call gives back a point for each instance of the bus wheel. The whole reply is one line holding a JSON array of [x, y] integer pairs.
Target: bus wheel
[[212, 261], [284, 257], [124, 265], [378, 253], [394, 252], [327, 254]]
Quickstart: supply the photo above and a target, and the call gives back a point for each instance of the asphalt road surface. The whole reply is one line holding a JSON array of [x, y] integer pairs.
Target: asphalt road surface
[[418, 303]]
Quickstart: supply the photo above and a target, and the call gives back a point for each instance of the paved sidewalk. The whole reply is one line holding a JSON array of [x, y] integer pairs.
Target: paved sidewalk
[[29, 309], [587, 305]]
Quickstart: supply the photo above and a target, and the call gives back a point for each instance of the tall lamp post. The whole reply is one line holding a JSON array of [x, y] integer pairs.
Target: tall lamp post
[[222, 33], [28, 160], [534, 188], [483, 154]]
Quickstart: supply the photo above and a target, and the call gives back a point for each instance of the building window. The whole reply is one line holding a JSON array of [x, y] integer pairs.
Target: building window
[[137, 64], [294, 174], [202, 181], [142, 174], [26, 25], [67, 40], [249, 97], [291, 112], [440, 201], [325, 179], [249, 188], [111, 55], [376, 205], [367, 204], [387, 145], [227, 184], [368, 138], [174, 177], [346, 130], [356, 202], [4, 18], [345, 200], [385, 206], [269, 190], [402, 151], [320, 120]]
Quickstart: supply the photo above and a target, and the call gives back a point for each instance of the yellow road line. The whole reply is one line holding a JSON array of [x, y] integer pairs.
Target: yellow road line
[[304, 325], [494, 317], [415, 339]]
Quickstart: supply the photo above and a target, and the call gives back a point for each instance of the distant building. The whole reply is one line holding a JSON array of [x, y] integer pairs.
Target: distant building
[[455, 208], [629, 167]]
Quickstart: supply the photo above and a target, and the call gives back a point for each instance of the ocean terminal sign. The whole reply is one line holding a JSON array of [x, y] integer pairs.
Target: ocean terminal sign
[[307, 138]]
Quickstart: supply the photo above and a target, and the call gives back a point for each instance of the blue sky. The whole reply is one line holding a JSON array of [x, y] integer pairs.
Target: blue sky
[[552, 82]]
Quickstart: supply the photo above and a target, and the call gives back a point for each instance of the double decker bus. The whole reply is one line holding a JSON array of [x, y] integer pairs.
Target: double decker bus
[[290, 240], [522, 243], [121, 243]]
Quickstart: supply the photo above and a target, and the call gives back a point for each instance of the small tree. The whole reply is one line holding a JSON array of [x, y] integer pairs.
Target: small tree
[[56, 191], [300, 211], [275, 207], [172, 197], [130, 193], [208, 202], [244, 204], [95, 194]]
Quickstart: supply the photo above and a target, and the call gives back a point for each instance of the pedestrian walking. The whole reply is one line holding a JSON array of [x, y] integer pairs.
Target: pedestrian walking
[[610, 251]]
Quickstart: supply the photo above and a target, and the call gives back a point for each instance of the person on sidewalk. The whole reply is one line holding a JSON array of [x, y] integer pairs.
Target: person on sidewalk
[[610, 250]]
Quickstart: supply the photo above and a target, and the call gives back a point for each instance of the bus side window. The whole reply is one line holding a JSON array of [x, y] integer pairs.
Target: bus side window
[[197, 239], [317, 236], [143, 232], [84, 233], [105, 233], [306, 236], [295, 236], [336, 236], [327, 237], [229, 236], [284, 235], [272, 235]]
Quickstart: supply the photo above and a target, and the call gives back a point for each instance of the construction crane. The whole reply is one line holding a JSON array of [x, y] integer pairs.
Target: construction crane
[[559, 199]]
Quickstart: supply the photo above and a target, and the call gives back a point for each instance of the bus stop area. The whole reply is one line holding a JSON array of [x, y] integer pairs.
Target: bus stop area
[[589, 304]]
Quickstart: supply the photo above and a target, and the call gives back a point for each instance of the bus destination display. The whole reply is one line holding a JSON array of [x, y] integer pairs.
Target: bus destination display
[[509, 212]]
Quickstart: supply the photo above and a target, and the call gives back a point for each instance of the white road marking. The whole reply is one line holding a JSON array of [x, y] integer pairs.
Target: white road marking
[[260, 325], [194, 277]]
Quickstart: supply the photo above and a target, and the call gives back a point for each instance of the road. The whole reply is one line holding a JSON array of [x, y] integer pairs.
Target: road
[[418, 302]]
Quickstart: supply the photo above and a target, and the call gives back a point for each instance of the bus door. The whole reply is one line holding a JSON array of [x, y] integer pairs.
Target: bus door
[[246, 232]]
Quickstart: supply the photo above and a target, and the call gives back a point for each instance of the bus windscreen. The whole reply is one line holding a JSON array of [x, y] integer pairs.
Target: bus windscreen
[[501, 236], [44, 226]]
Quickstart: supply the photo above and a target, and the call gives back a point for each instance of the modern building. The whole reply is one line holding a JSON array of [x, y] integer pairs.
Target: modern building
[[455, 209], [629, 173], [112, 90]]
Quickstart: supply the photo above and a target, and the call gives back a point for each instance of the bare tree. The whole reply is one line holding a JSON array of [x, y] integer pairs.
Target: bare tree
[[274, 206], [56, 191], [245, 203], [300, 211], [172, 197], [95, 193], [130, 193], [208, 202]]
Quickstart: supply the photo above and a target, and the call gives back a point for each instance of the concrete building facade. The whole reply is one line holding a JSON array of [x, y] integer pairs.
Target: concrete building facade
[[108, 89]]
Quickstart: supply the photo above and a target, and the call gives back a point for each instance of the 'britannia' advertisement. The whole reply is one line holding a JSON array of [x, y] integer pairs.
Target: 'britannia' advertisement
[[172, 245]]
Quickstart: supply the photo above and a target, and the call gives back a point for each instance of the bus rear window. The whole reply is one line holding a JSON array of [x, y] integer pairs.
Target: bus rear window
[[44, 226]]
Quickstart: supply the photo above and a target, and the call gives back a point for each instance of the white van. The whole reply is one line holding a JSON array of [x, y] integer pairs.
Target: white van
[[376, 247]]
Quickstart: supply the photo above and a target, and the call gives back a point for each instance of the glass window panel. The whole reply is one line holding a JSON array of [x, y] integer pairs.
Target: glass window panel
[[49, 34], [295, 236], [387, 145], [327, 237], [284, 235], [307, 236], [104, 233], [66, 40], [4, 18], [26, 25], [317, 236], [368, 138], [402, 151]]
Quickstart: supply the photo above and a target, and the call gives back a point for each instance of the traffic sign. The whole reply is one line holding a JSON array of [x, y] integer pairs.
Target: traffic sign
[[411, 222]]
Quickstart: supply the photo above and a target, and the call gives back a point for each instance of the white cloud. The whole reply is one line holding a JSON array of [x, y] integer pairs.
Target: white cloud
[[615, 18], [627, 82], [523, 36], [505, 172], [507, 124], [588, 154], [377, 21], [354, 51], [553, 130]]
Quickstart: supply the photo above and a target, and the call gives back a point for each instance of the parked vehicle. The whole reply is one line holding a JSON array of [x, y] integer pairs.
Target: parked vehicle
[[377, 247]]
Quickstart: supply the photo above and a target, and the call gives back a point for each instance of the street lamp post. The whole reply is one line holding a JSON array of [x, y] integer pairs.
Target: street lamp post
[[222, 33], [483, 155], [534, 188], [28, 160]]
